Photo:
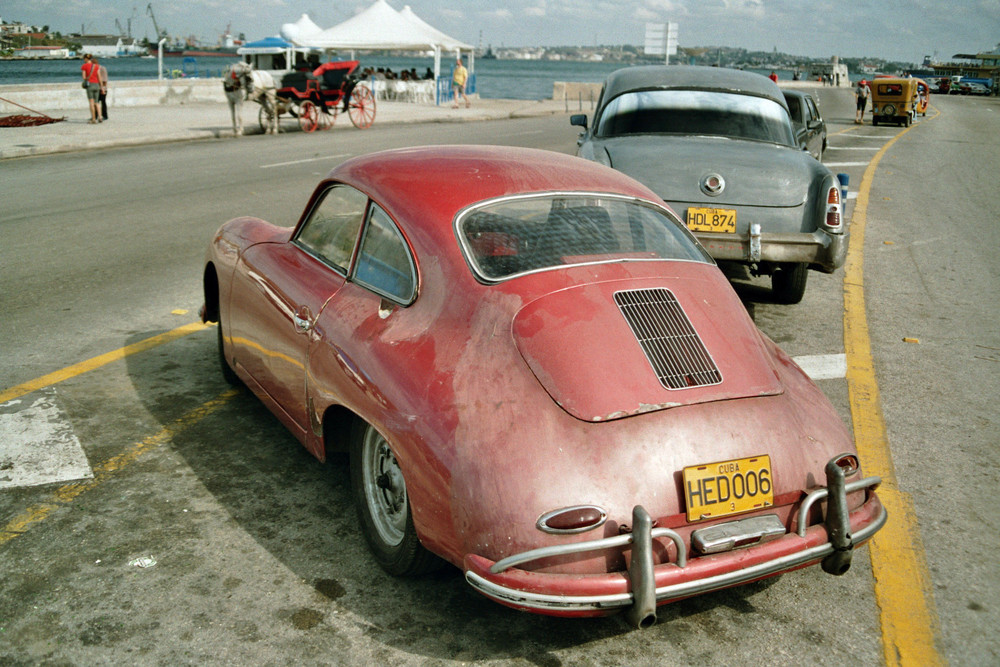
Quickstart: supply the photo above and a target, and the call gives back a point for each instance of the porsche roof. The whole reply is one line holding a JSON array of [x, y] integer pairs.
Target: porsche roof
[[653, 77], [449, 178]]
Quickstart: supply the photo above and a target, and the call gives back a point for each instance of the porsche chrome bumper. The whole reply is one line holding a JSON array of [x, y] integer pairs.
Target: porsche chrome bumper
[[645, 585]]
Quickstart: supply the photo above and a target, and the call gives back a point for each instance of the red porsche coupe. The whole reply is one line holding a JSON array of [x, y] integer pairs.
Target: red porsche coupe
[[541, 378]]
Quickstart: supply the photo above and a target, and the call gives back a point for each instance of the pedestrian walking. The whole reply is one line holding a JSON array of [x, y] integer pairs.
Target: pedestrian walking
[[102, 77], [861, 93], [92, 84], [458, 80]]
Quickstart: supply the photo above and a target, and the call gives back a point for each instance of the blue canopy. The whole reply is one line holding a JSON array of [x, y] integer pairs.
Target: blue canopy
[[266, 45]]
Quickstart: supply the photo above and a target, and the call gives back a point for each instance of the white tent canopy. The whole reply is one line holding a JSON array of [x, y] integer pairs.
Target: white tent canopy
[[378, 27], [300, 32]]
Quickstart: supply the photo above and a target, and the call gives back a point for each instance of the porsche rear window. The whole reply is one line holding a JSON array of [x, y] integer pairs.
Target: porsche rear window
[[513, 236], [696, 112]]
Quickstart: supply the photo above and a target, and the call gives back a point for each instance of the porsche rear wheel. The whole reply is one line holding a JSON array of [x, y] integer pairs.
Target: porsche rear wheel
[[789, 283], [383, 506]]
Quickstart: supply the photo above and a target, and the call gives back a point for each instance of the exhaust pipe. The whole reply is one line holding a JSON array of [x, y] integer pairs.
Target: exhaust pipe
[[838, 526], [642, 613]]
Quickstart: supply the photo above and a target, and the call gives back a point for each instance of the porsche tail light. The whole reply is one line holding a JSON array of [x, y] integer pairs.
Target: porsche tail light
[[848, 463], [833, 221], [576, 519]]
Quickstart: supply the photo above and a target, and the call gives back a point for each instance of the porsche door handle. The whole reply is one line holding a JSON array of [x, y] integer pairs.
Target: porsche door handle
[[302, 324]]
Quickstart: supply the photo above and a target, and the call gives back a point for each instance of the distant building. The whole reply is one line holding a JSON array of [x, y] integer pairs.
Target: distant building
[[18, 29], [988, 67], [834, 69], [41, 52]]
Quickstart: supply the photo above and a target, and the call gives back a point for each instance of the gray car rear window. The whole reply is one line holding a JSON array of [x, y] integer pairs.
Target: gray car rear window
[[696, 112]]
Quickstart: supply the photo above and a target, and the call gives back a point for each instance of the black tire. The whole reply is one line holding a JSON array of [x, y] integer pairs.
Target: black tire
[[383, 506], [228, 374], [788, 284]]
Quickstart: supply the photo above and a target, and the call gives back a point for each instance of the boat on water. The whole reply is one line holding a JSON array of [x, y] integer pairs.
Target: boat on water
[[222, 52], [206, 52]]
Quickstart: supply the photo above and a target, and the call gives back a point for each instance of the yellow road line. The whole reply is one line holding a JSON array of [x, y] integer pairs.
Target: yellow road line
[[96, 362], [69, 492], [902, 584]]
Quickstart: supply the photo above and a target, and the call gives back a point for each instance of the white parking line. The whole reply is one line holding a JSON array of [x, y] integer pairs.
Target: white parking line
[[852, 148], [37, 444], [846, 164], [823, 366], [311, 159]]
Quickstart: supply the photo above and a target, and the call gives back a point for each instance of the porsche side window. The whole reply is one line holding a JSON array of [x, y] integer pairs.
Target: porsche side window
[[384, 264], [333, 226]]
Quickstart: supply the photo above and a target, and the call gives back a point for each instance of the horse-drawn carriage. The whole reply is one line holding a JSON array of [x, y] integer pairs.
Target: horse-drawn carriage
[[316, 98]]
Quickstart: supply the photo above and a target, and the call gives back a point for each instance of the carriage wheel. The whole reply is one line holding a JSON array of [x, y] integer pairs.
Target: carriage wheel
[[326, 120], [361, 108], [264, 119], [308, 119]]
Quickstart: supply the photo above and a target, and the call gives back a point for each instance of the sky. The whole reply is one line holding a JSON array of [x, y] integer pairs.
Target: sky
[[895, 30]]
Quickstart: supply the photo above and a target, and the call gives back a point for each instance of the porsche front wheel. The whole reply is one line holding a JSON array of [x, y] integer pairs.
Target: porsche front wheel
[[383, 506]]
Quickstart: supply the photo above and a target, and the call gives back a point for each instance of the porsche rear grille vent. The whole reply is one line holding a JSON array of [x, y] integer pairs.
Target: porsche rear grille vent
[[664, 332]]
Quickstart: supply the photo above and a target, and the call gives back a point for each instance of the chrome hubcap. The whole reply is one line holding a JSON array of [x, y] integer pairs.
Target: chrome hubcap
[[385, 489]]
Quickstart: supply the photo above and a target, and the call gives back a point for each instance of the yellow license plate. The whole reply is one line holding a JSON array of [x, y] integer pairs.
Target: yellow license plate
[[711, 219], [728, 487]]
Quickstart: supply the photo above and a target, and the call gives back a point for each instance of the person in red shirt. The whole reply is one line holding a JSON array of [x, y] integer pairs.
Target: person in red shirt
[[92, 82], [773, 76]]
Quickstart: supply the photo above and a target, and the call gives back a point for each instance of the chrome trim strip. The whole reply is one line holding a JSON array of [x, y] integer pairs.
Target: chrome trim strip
[[659, 208], [689, 588], [544, 601], [607, 602], [819, 494], [590, 545]]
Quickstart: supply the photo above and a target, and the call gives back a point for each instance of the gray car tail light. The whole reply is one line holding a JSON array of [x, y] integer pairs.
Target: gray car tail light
[[672, 346]]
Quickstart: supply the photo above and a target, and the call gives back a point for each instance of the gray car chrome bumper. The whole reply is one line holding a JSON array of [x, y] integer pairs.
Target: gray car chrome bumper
[[821, 250]]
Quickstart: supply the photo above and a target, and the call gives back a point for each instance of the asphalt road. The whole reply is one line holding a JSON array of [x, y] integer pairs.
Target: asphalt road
[[258, 559]]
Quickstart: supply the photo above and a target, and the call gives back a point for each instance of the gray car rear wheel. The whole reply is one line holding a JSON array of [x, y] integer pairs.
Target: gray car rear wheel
[[789, 282]]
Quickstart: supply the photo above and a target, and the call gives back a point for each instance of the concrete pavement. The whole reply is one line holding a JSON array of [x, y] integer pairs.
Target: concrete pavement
[[136, 125]]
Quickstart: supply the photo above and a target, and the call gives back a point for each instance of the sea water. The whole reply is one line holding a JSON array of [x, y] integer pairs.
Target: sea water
[[497, 79]]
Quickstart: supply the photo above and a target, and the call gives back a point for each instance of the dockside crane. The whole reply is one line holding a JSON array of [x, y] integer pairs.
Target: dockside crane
[[159, 35]]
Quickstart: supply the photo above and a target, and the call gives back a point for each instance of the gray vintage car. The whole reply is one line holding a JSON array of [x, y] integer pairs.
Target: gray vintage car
[[718, 146], [809, 126]]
